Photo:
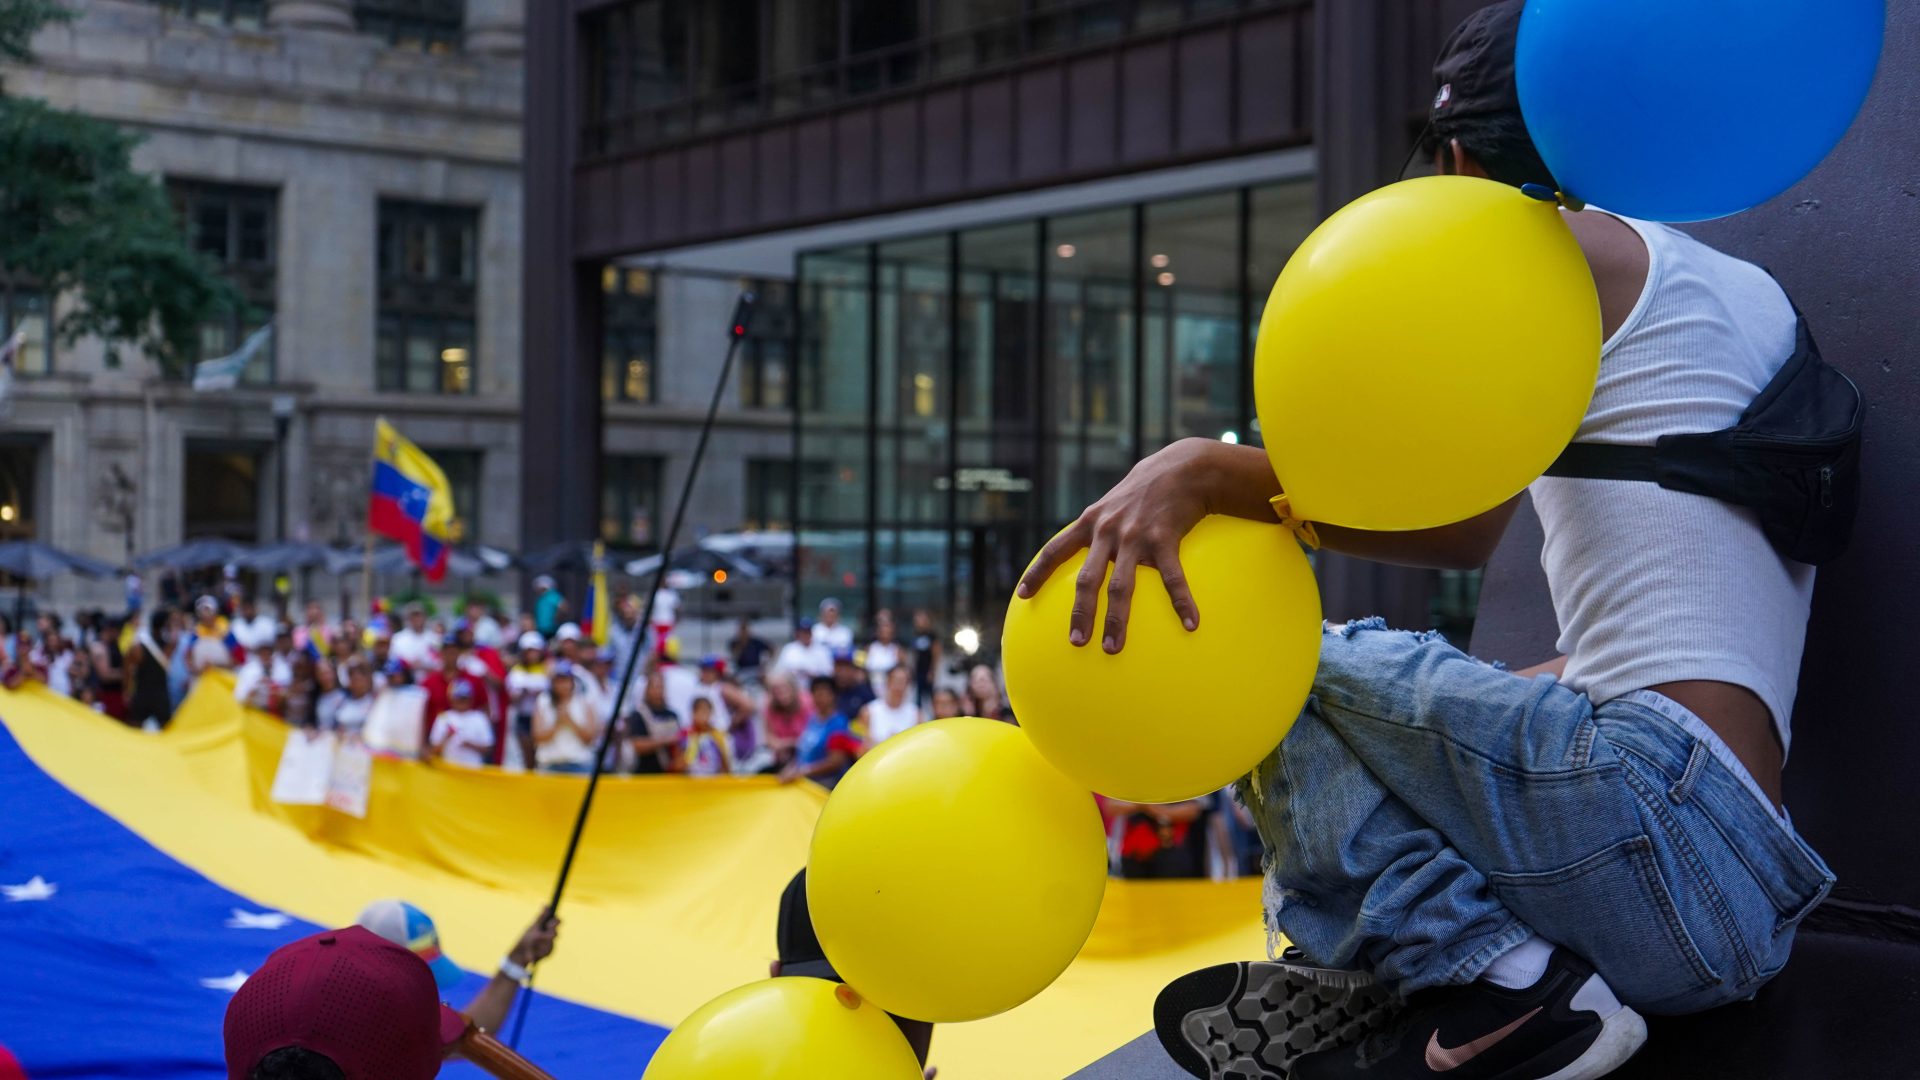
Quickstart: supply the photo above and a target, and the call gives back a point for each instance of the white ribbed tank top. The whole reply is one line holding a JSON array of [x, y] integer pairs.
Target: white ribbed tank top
[[1653, 586]]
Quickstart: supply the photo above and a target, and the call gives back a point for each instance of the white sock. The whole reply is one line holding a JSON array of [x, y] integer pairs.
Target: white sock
[[1521, 966]]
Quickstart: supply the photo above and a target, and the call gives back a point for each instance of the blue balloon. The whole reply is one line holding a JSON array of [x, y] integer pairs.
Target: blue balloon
[[1685, 110]]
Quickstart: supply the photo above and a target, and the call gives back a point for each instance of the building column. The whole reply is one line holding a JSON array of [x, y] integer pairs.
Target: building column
[[1361, 102], [496, 27], [560, 418], [310, 15]]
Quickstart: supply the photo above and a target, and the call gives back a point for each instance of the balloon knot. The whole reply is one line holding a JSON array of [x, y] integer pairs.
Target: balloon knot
[[847, 995], [1546, 194], [1303, 531]]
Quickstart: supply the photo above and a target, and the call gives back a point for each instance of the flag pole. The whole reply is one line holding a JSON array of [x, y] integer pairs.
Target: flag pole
[[736, 332], [366, 553]]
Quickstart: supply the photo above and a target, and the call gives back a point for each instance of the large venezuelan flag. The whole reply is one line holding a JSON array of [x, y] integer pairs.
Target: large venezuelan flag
[[142, 876], [410, 501]]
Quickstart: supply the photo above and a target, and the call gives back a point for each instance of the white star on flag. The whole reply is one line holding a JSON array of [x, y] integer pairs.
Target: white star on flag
[[229, 983], [37, 889], [264, 920]]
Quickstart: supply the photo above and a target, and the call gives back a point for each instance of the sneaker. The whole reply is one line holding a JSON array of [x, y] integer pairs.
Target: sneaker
[[1249, 1021], [1567, 1026]]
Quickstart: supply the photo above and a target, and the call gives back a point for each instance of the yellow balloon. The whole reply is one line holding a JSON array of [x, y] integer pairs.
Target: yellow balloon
[[1426, 354], [954, 873], [785, 1029], [1176, 714]]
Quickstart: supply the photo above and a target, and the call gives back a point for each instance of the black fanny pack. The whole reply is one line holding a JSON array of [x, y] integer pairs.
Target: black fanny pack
[[1793, 459]]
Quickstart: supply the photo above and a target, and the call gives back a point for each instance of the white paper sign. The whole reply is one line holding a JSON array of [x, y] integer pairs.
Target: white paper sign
[[352, 778], [305, 766], [395, 721]]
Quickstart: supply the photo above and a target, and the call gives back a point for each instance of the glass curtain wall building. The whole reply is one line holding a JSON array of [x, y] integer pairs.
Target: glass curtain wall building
[[962, 395]]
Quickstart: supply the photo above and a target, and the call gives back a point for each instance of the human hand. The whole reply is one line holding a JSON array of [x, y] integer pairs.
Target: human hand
[[537, 943], [1139, 523]]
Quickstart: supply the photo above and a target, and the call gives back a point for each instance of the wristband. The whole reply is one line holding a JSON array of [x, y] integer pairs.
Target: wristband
[[514, 971]]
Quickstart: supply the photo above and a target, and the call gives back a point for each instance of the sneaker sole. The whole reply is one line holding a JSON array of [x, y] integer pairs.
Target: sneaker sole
[[1251, 1021]]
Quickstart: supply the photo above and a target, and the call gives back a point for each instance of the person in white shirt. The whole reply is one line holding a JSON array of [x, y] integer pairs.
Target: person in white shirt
[[462, 734], [895, 710], [804, 658], [565, 728], [414, 644], [345, 711], [830, 631], [885, 653], [252, 630], [525, 683], [666, 611], [713, 675], [486, 629]]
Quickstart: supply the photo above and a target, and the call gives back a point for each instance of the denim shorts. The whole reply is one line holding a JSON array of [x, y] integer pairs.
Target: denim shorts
[[1428, 812]]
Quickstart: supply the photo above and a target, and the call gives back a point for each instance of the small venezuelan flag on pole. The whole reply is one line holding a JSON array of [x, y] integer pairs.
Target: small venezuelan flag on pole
[[410, 501], [599, 601]]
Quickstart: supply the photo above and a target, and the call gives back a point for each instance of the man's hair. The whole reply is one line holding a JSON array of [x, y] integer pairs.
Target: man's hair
[[296, 1063], [1498, 141], [824, 680]]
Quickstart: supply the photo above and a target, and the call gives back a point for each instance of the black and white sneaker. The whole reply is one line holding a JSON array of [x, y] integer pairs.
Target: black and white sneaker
[[1249, 1021], [1566, 1026]]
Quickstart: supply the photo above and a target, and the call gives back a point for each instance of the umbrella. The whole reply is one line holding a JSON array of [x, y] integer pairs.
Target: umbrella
[[570, 556], [196, 554], [31, 560], [393, 559], [286, 557]]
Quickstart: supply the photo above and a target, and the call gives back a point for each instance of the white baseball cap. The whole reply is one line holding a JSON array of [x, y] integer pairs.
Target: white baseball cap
[[567, 632], [532, 640]]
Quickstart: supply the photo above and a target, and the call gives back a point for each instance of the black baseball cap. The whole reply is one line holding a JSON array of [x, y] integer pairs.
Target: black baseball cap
[[797, 945], [1473, 75]]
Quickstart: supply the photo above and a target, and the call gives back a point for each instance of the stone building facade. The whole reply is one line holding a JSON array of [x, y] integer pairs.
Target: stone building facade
[[356, 166]]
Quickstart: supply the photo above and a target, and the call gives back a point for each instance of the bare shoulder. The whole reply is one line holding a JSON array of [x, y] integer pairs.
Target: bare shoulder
[[1618, 258]]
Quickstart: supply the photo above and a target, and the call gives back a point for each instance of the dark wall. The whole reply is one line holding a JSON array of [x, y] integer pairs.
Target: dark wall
[[1846, 244], [1217, 87]]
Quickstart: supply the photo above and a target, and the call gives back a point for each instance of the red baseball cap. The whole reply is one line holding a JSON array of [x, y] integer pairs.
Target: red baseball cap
[[367, 1004]]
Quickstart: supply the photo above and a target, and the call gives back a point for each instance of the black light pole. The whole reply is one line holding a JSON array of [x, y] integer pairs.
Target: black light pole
[[736, 332]]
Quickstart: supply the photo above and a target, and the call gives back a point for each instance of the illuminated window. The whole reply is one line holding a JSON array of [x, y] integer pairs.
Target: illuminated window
[[631, 334], [428, 297]]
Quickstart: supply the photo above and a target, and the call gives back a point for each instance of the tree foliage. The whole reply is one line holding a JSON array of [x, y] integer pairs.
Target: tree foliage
[[82, 223]]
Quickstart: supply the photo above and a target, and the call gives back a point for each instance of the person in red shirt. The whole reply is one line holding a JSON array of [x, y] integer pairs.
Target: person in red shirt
[[455, 667]]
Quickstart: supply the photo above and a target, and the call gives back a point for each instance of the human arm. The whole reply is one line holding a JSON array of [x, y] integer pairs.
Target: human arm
[[1142, 521], [488, 1009], [835, 761], [1556, 667]]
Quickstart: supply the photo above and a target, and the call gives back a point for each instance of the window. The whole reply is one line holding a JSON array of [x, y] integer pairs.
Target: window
[[222, 483], [19, 470], [425, 341], [26, 310], [770, 492], [629, 500], [242, 14], [431, 26], [237, 227], [463, 477], [631, 335], [768, 347]]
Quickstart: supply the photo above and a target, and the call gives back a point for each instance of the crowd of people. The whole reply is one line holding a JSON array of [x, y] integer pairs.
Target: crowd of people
[[536, 692]]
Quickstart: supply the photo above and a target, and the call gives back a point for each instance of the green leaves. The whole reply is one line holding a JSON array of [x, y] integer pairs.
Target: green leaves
[[77, 220], [18, 21]]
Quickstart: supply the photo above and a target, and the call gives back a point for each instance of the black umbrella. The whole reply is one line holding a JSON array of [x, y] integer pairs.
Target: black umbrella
[[286, 557], [571, 556], [393, 559], [196, 554], [567, 555], [31, 560]]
